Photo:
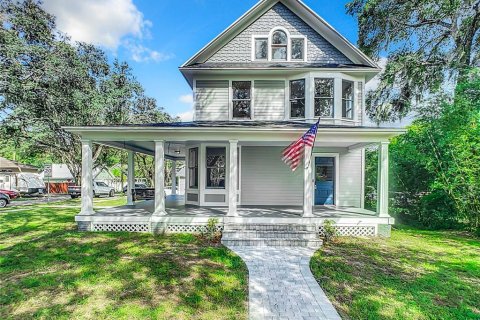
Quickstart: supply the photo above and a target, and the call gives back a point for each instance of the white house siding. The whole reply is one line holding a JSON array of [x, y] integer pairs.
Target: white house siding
[[350, 178], [211, 100], [319, 50], [266, 180], [359, 102], [269, 99]]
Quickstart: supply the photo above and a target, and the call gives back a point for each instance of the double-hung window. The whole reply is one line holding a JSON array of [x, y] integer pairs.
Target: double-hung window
[[193, 168], [297, 48], [215, 165], [241, 99], [279, 45], [347, 99], [324, 93], [297, 98]]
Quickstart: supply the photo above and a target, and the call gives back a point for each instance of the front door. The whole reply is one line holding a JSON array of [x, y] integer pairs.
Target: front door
[[324, 180]]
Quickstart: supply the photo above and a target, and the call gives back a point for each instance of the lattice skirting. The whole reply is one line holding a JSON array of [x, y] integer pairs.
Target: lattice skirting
[[130, 227], [188, 228], [355, 231]]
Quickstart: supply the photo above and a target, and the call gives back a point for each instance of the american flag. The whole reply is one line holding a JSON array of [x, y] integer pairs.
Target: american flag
[[292, 155]]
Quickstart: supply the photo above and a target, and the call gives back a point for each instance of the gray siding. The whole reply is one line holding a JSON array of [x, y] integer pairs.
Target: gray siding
[[318, 49], [350, 178], [360, 101], [269, 99], [211, 100], [266, 180]]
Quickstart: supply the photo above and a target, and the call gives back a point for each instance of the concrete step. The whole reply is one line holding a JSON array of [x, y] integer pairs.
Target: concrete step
[[254, 234], [269, 227], [273, 242]]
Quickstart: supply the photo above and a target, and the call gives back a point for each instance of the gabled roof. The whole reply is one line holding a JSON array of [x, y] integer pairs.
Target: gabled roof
[[15, 167], [302, 11]]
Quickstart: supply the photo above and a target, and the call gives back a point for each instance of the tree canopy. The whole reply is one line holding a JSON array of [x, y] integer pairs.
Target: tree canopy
[[47, 82], [429, 45]]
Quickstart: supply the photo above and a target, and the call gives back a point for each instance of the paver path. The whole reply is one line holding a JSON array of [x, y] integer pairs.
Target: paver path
[[281, 285]]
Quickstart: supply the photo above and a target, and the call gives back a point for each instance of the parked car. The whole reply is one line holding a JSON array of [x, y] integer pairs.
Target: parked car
[[4, 200], [11, 193], [100, 188], [137, 186]]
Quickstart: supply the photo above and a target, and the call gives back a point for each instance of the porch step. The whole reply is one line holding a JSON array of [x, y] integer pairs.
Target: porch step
[[269, 227], [273, 242], [242, 234], [272, 235]]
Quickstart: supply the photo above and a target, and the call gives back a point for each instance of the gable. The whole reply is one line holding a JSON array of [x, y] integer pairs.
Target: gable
[[319, 50]]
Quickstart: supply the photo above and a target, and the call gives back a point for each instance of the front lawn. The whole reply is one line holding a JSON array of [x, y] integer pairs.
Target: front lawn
[[413, 275], [48, 270]]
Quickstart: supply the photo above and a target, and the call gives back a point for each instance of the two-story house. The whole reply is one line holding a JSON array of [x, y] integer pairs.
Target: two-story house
[[258, 86]]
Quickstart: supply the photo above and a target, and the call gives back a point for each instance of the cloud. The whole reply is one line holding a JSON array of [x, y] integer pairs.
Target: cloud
[[185, 116], [186, 98], [373, 84], [140, 53], [103, 23]]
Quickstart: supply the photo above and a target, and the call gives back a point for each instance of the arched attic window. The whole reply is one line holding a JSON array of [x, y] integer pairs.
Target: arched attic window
[[279, 45]]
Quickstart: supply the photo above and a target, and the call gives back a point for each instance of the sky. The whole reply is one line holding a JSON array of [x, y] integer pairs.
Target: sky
[[157, 36]]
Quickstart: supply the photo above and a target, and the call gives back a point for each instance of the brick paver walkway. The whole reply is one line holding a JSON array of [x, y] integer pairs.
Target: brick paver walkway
[[281, 285]]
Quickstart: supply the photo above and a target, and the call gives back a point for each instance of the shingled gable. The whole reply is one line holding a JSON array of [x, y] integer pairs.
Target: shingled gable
[[322, 37]]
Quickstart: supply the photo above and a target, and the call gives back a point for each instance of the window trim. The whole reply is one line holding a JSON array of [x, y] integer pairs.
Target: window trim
[[225, 169], [332, 97], [352, 100], [232, 100], [289, 45], [289, 99]]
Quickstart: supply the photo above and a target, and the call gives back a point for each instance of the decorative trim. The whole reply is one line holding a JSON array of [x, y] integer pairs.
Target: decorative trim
[[116, 227], [352, 231]]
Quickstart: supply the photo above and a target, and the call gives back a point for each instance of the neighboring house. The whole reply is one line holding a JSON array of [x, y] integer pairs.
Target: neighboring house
[[21, 177], [258, 87], [60, 179]]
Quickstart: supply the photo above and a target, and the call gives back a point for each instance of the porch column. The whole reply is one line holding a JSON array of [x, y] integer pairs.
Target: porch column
[[130, 177], [159, 178], [308, 184], [174, 177], [87, 178], [232, 178], [382, 180]]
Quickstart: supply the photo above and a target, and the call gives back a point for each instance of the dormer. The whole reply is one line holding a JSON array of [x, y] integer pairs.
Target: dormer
[[279, 62]]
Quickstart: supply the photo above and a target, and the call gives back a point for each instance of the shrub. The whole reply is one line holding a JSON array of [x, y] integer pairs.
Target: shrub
[[211, 234], [329, 230]]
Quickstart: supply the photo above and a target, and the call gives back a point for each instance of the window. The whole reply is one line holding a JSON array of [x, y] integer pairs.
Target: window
[[324, 97], [297, 98], [261, 49], [193, 168], [347, 99], [102, 184], [279, 45], [215, 162], [241, 98], [298, 45]]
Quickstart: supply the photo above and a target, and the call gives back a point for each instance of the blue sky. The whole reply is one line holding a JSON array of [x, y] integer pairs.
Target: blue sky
[[156, 37]]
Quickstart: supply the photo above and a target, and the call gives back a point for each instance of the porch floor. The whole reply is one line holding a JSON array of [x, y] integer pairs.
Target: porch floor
[[175, 208]]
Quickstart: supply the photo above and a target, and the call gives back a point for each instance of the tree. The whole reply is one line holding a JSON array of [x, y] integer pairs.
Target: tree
[[430, 45]]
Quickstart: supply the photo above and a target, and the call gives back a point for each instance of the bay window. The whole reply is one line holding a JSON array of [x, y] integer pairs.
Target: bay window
[[193, 168], [241, 99], [297, 98], [215, 167], [324, 101], [347, 99]]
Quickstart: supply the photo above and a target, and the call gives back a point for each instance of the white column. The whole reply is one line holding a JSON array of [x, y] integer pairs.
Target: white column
[[308, 184], [159, 178], [87, 178], [232, 178], [382, 180], [174, 177], [130, 177]]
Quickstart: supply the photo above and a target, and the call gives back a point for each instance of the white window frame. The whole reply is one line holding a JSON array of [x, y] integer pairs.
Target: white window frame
[[354, 105], [288, 97], [230, 97], [315, 97], [269, 45], [336, 159]]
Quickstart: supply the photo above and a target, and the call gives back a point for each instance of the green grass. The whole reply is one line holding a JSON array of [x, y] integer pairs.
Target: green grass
[[48, 270], [412, 275]]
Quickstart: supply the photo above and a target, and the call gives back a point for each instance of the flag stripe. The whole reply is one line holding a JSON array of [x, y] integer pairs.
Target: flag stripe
[[292, 154]]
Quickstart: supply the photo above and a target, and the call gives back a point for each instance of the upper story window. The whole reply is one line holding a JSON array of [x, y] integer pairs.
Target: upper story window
[[279, 46], [324, 101], [297, 98], [347, 99], [241, 99]]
